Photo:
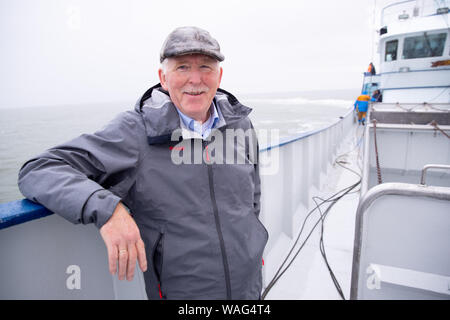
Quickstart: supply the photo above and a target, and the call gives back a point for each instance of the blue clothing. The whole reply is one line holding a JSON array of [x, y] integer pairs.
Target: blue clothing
[[362, 105], [362, 102], [202, 129]]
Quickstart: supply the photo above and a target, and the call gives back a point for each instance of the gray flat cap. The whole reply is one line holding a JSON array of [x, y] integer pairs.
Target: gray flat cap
[[186, 40]]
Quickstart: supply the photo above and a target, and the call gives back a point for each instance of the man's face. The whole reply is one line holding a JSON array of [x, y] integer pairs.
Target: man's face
[[192, 82]]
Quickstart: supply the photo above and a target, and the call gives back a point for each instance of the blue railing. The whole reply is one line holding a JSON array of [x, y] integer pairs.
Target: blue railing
[[16, 212], [305, 134]]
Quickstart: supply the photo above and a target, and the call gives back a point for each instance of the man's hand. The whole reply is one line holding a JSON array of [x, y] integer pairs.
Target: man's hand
[[124, 243]]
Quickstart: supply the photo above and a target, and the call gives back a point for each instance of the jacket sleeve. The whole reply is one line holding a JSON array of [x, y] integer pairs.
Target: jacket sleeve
[[257, 192], [84, 179]]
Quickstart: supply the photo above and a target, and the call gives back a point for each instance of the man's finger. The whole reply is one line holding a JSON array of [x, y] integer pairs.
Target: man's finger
[[142, 259], [123, 260], [131, 261], [112, 258]]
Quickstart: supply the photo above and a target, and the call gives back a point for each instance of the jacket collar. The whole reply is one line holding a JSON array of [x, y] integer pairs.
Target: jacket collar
[[161, 117]]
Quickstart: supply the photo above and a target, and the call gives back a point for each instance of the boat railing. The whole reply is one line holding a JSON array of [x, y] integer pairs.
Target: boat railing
[[303, 163], [431, 166], [403, 10], [400, 139], [21, 211], [403, 225], [401, 243]]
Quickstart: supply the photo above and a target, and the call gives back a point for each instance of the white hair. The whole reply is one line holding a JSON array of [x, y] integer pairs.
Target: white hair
[[166, 61], [164, 65]]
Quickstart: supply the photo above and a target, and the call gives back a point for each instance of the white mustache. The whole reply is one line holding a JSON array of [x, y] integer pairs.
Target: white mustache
[[195, 90]]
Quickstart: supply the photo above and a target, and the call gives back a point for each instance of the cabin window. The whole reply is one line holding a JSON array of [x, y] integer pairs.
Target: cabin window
[[391, 50], [426, 45]]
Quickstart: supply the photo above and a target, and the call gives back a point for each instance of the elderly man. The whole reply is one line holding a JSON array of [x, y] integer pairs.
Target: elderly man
[[192, 227]]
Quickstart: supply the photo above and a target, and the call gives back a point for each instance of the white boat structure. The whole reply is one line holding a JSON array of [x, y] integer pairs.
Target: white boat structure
[[353, 212]]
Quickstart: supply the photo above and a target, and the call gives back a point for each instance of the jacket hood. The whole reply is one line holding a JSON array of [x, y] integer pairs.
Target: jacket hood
[[161, 117]]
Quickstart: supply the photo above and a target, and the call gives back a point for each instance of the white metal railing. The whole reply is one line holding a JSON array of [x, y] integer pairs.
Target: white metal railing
[[303, 165], [411, 8]]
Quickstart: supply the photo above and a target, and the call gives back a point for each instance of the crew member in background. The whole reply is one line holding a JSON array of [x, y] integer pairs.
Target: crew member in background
[[371, 69], [377, 96], [361, 106]]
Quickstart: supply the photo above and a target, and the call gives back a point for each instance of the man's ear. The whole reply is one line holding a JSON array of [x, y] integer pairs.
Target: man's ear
[[162, 79]]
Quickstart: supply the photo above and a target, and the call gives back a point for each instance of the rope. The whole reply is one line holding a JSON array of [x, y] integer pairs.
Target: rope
[[376, 150], [434, 124]]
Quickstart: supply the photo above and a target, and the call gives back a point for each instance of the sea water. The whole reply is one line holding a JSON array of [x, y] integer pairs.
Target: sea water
[[26, 132]]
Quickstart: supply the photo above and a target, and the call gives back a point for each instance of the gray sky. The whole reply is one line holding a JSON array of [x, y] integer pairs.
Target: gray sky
[[88, 51]]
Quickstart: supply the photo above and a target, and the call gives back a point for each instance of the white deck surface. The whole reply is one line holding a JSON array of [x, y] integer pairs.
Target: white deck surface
[[308, 276]]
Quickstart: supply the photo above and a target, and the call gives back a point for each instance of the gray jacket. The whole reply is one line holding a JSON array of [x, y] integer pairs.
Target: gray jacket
[[199, 221]]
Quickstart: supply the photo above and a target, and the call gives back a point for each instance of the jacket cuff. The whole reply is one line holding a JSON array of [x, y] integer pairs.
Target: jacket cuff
[[99, 207]]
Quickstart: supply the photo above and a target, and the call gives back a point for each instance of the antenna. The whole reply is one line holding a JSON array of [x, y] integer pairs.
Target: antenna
[[373, 30]]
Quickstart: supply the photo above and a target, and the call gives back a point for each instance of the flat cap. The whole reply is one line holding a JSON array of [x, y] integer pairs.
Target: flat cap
[[188, 40]]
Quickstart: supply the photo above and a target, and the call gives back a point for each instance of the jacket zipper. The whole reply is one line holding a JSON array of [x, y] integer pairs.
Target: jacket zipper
[[219, 230]]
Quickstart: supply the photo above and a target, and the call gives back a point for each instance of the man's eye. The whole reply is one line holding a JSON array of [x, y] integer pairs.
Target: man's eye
[[182, 68], [205, 67]]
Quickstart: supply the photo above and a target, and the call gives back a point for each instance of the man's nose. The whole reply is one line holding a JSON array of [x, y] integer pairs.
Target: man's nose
[[195, 76]]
